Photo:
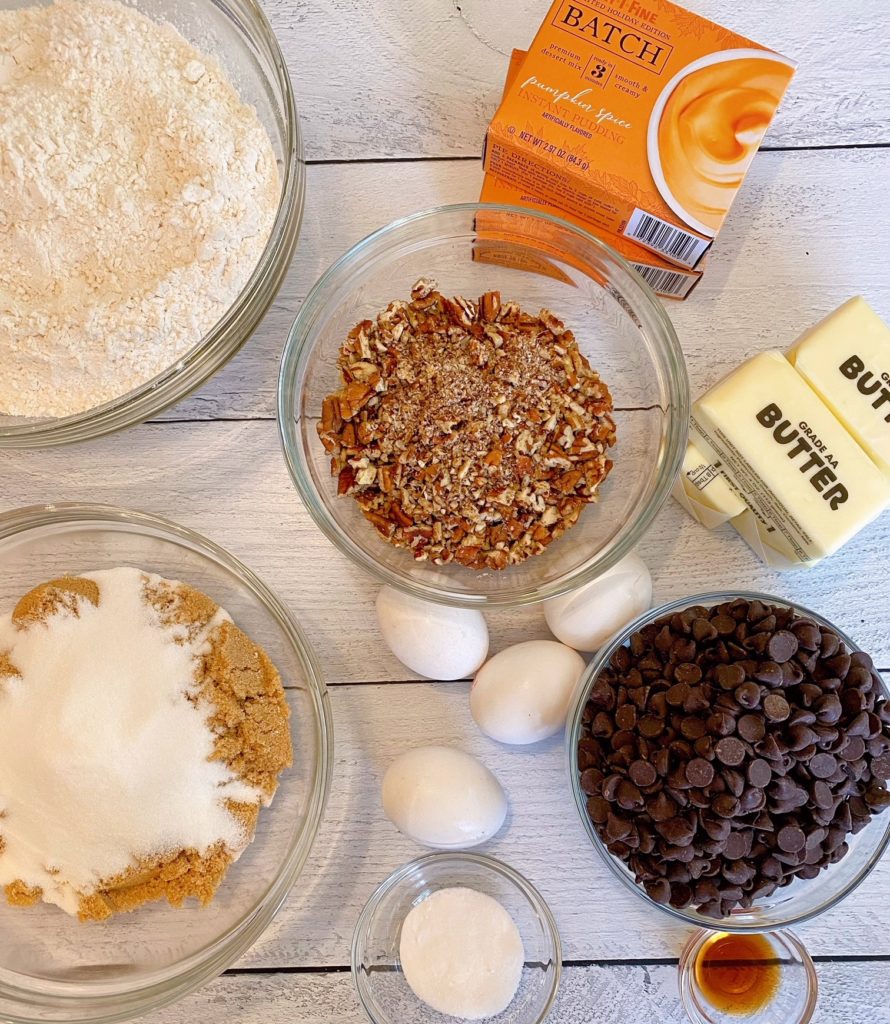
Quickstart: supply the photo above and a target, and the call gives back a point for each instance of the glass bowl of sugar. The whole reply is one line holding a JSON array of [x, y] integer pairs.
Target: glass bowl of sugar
[[141, 258], [401, 934], [54, 967]]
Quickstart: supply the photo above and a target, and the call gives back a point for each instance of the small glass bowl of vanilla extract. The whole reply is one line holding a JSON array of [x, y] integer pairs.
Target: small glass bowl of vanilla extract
[[764, 978]]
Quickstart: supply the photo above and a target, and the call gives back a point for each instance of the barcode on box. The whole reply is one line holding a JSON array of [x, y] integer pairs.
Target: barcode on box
[[675, 243], [673, 283]]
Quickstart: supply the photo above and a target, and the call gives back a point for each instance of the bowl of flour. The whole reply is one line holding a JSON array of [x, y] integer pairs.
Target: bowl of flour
[[151, 192]]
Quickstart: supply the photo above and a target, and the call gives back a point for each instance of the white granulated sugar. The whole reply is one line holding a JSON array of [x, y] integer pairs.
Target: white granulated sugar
[[462, 953], [137, 193], [103, 759]]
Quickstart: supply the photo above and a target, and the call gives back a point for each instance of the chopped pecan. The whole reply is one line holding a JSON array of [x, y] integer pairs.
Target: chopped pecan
[[467, 431]]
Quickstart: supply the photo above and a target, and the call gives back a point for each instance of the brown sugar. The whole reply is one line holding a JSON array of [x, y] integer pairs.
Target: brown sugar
[[54, 596], [240, 692]]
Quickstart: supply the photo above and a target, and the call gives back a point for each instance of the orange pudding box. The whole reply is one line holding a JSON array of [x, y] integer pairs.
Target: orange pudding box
[[637, 118], [665, 279]]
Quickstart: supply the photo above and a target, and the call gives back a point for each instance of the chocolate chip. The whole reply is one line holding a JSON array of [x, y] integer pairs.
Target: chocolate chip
[[751, 728], [724, 624], [661, 807], [721, 723], [699, 772], [880, 767], [659, 890], [677, 831], [626, 716], [839, 665], [726, 805], [730, 751], [828, 709], [823, 766], [759, 773], [598, 809], [738, 846], [729, 676], [800, 736], [702, 630], [769, 673], [687, 672], [677, 694], [696, 700], [617, 828], [792, 674], [629, 797], [748, 695], [807, 634], [821, 793], [853, 749], [782, 646], [791, 839], [829, 644], [611, 786], [642, 773], [776, 708], [592, 781], [751, 800]]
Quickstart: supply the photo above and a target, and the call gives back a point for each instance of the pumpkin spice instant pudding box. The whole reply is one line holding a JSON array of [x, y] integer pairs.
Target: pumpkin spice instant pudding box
[[637, 119], [666, 279]]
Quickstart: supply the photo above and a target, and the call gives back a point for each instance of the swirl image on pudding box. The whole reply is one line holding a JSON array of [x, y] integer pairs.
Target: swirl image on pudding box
[[706, 127]]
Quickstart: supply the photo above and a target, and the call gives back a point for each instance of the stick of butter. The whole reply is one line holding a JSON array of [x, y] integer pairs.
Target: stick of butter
[[846, 360], [808, 484], [705, 492]]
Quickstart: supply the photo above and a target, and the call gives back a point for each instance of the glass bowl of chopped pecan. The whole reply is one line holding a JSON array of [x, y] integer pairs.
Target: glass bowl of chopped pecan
[[461, 385]]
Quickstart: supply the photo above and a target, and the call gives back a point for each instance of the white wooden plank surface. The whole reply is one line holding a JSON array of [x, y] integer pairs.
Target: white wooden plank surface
[[228, 480], [416, 79], [790, 252], [393, 78], [601, 994]]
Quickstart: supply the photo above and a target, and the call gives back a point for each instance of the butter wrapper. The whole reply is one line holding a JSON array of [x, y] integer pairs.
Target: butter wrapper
[[704, 492], [809, 487], [762, 540]]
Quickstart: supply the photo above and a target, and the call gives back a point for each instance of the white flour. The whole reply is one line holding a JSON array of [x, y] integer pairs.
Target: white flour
[[137, 192]]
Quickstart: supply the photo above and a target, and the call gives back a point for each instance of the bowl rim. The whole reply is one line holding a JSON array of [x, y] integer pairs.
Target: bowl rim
[[232, 331], [481, 860], [108, 1003], [573, 729], [298, 349]]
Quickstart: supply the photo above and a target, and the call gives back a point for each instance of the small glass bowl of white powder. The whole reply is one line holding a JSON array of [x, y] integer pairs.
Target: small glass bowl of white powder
[[410, 941], [151, 194]]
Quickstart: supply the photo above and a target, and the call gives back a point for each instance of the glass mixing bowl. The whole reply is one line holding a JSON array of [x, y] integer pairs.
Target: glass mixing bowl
[[54, 968], [237, 33], [376, 971], [536, 260], [788, 905]]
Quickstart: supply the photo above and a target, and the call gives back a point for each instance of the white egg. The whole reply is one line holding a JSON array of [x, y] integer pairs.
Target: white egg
[[587, 617], [432, 639], [443, 798], [522, 694]]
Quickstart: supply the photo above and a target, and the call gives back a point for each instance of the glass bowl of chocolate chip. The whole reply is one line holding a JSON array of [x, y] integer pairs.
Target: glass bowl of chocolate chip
[[483, 405], [729, 757]]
